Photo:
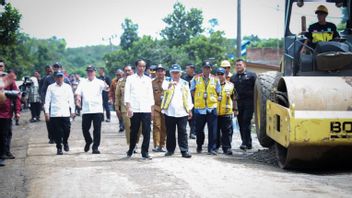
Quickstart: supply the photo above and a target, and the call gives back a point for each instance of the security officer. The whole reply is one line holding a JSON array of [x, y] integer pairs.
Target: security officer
[[205, 89], [227, 66], [321, 31], [225, 109], [159, 130], [244, 82]]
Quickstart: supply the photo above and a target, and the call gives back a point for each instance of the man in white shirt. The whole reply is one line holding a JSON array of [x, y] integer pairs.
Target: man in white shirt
[[139, 102], [90, 91], [177, 106], [59, 106]]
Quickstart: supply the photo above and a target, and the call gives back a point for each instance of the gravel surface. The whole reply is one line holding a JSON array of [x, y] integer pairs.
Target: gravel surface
[[38, 172]]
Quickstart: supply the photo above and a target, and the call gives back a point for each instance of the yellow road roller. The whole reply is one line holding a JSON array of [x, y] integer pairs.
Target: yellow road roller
[[305, 111]]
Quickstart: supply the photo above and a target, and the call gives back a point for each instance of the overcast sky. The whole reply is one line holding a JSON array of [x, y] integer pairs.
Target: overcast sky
[[86, 22]]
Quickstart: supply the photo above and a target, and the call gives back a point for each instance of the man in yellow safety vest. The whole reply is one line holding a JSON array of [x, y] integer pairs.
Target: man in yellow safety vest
[[206, 90], [226, 107], [176, 112]]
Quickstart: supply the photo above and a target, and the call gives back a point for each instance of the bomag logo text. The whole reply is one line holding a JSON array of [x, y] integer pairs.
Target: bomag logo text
[[341, 129]]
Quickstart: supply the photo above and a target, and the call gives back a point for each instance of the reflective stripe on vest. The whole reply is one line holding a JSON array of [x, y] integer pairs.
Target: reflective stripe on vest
[[225, 106], [211, 101], [169, 93], [322, 36]]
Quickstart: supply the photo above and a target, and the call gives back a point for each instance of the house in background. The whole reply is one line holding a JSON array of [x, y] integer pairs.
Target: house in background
[[261, 60]]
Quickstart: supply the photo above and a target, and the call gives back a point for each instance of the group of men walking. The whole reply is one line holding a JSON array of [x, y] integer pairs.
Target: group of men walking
[[166, 103], [171, 102]]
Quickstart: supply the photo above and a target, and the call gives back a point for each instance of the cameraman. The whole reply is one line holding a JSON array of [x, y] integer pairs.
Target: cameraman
[[9, 89]]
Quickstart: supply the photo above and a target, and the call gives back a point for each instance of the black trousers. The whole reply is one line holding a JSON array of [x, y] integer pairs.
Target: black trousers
[[62, 128], [87, 120], [181, 123], [225, 132], [50, 129], [36, 108], [8, 139], [136, 120], [211, 119], [5, 129], [245, 114], [106, 105]]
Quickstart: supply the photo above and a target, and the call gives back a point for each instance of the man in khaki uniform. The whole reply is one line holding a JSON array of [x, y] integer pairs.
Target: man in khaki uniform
[[159, 130], [120, 106], [119, 74]]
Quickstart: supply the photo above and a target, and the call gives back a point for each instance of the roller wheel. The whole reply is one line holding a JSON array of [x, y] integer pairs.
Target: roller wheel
[[263, 87], [281, 156]]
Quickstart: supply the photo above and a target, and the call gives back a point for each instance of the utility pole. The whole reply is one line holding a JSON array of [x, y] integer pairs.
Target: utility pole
[[239, 40]]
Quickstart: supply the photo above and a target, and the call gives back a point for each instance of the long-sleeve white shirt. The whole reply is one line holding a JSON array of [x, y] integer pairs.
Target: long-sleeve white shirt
[[59, 101], [139, 93], [176, 107]]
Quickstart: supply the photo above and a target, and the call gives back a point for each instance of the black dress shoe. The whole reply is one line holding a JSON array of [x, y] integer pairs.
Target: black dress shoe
[[95, 151], [192, 136], [9, 155], [249, 146], [199, 149], [186, 155], [129, 154], [168, 154], [66, 147], [146, 157], [87, 147], [243, 147], [212, 153], [228, 152], [59, 151]]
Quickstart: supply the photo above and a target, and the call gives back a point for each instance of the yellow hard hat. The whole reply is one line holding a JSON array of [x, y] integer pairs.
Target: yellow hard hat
[[225, 63], [321, 8]]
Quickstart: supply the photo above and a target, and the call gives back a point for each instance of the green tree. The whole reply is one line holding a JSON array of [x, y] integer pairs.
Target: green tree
[[129, 34], [213, 23], [203, 48], [182, 25], [9, 25]]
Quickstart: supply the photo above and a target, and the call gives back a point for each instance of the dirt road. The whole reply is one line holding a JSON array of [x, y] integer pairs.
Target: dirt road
[[38, 172]]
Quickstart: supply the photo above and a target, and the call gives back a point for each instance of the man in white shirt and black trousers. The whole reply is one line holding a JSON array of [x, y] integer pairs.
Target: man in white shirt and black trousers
[[139, 102], [90, 91], [59, 106], [177, 106]]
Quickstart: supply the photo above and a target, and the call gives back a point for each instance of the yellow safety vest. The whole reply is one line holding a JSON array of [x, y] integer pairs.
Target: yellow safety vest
[[322, 36], [225, 106], [169, 93], [209, 90]]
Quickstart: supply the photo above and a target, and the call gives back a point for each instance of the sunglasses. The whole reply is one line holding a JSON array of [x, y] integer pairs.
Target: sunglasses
[[219, 74]]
